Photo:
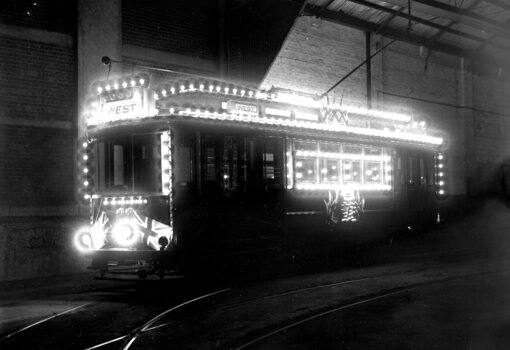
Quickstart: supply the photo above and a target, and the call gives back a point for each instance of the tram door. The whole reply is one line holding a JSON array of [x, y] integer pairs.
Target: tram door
[[415, 177]]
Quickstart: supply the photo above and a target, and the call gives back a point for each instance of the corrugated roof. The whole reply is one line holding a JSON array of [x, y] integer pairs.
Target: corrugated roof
[[475, 29]]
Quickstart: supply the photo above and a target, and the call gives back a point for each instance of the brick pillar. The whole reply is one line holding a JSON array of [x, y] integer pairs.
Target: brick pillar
[[99, 34]]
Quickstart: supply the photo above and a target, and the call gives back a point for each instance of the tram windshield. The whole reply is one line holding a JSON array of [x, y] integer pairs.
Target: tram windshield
[[129, 164]]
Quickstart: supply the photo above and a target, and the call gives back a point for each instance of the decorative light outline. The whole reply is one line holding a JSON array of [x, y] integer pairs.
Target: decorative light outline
[[395, 135], [334, 187]]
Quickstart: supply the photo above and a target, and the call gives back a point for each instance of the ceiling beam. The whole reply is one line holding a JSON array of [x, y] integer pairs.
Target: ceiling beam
[[440, 33], [389, 19], [326, 5], [446, 29], [409, 37], [499, 3], [487, 42], [436, 8]]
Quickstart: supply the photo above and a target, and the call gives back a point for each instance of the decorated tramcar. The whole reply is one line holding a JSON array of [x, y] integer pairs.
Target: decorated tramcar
[[173, 170]]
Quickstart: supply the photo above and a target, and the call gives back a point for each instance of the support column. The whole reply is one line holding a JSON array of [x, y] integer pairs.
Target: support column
[[99, 34], [465, 99], [376, 72], [369, 68]]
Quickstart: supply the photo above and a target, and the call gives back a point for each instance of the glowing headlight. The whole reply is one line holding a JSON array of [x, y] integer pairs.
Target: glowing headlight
[[124, 234], [83, 241]]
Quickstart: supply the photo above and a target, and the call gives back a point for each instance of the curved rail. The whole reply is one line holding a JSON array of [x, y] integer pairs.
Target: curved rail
[[45, 320], [360, 302], [131, 337]]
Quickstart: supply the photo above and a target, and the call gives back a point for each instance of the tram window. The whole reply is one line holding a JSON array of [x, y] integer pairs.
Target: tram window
[[306, 161], [130, 164], [327, 147], [329, 171], [336, 164], [118, 165], [269, 170], [422, 172], [230, 172], [273, 161], [410, 171], [183, 165], [351, 150], [372, 151], [101, 163], [210, 164], [373, 173], [306, 170], [253, 160], [263, 161], [305, 146], [351, 164], [351, 171], [146, 163], [399, 169]]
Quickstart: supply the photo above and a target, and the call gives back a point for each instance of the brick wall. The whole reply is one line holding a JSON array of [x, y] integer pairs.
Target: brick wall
[[51, 15], [254, 35], [320, 53], [38, 166], [37, 139], [38, 247], [491, 130], [38, 94], [180, 26], [38, 80], [408, 73]]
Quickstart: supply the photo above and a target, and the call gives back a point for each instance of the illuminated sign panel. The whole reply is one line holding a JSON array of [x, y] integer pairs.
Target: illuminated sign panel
[[123, 104], [242, 108]]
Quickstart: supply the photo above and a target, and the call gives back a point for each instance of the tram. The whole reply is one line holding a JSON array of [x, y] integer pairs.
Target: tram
[[174, 168]]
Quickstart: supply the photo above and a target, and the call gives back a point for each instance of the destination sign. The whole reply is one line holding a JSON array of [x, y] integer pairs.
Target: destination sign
[[235, 107], [123, 105]]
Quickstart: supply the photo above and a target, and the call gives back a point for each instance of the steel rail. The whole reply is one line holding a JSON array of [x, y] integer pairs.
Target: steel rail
[[147, 327], [401, 290], [276, 295], [45, 320], [131, 337], [279, 330]]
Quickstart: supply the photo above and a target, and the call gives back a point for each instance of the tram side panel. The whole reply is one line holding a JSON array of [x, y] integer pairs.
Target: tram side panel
[[228, 191], [235, 189]]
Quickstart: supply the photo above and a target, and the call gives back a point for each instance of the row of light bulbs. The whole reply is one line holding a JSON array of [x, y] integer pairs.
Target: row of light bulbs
[[211, 88], [141, 80], [440, 178], [125, 200]]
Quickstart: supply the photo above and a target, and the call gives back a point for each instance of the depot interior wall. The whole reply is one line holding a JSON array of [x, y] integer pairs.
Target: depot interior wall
[[428, 87], [181, 35], [491, 130], [438, 88], [37, 139], [315, 55]]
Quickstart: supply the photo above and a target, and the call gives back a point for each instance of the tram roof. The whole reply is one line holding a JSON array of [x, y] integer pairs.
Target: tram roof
[[135, 100]]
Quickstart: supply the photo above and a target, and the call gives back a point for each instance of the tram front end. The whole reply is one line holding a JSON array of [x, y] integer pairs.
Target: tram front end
[[128, 176]]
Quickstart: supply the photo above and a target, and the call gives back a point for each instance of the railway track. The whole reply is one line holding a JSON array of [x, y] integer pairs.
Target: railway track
[[291, 322], [226, 306], [372, 298], [131, 337]]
